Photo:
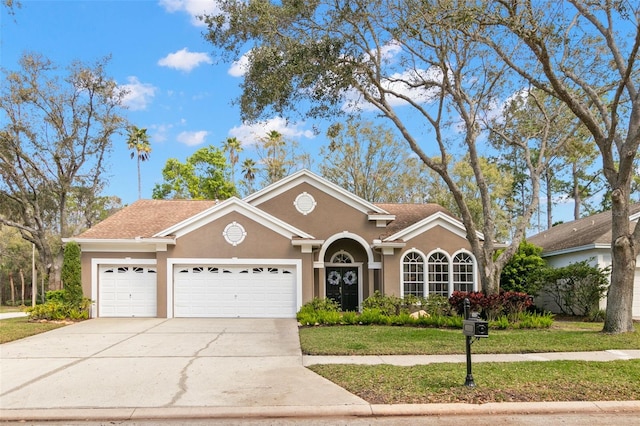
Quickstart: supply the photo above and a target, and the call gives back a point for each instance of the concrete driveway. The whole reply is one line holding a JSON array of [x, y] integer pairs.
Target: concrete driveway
[[155, 362]]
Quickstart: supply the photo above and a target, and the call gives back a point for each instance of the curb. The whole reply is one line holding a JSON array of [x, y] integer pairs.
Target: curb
[[365, 410]]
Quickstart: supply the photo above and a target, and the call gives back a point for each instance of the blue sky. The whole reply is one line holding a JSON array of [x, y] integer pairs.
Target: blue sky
[[176, 89], [158, 53]]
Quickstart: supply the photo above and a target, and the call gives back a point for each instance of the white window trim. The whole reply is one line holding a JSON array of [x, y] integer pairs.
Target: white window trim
[[425, 289], [475, 269]]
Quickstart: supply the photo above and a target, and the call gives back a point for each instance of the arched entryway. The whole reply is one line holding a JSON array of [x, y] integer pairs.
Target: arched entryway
[[345, 261], [343, 278]]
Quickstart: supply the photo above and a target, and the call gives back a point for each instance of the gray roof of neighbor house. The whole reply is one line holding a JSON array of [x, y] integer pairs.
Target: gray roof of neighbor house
[[585, 232], [145, 218]]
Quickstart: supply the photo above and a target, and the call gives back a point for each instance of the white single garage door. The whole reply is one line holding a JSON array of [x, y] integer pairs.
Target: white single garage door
[[127, 291], [636, 295], [254, 291]]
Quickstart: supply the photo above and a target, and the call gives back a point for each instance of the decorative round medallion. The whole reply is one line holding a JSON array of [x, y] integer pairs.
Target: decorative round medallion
[[305, 203], [234, 233]]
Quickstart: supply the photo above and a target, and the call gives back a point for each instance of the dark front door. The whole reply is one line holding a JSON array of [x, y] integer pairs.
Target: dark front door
[[342, 286]]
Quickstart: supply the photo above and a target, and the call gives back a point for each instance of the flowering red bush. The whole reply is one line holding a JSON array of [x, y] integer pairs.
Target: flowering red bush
[[492, 306]]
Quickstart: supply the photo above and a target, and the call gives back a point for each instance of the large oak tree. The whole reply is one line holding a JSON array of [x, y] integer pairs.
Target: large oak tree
[[55, 136], [438, 87], [585, 54]]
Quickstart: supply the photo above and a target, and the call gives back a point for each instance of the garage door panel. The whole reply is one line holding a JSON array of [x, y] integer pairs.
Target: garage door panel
[[127, 291], [234, 291]]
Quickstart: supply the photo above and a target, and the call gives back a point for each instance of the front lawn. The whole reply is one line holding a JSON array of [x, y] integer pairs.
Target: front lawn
[[19, 328], [495, 382], [389, 340]]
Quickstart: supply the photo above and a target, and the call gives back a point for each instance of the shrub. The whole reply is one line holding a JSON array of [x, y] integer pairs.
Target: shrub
[[387, 305], [56, 308], [373, 316], [71, 273], [521, 273], [349, 318], [577, 288], [437, 304], [56, 296], [319, 311], [533, 320], [493, 306]]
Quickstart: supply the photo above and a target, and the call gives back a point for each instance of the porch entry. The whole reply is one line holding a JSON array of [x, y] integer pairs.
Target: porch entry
[[342, 286]]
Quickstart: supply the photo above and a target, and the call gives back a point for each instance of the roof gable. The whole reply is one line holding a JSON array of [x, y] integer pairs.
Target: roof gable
[[221, 209], [438, 218], [318, 182]]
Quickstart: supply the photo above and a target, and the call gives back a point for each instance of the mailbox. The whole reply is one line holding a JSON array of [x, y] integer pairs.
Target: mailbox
[[474, 327]]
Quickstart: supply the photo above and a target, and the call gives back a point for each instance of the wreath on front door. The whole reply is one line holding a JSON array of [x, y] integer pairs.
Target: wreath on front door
[[350, 278], [333, 278]]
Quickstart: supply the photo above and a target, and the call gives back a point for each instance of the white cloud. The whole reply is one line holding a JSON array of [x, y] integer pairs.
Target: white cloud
[[160, 132], [194, 8], [251, 133], [138, 95], [192, 138], [239, 67], [184, 60]]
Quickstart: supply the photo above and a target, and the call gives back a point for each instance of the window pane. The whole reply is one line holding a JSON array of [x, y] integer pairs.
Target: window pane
[[413, 274], [463, 274], [438, 274]]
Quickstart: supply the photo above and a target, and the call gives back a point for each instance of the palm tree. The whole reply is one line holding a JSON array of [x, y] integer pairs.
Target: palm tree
[[233, 146], [138, 143], [249, 170], [275, 159]]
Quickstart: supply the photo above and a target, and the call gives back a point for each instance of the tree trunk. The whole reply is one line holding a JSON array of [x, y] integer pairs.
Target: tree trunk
[[577, 200], [21, 286], [619, 317], [547, 177], [13, 289]]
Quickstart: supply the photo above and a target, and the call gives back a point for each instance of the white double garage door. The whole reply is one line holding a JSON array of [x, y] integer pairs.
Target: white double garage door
[[200, 291]]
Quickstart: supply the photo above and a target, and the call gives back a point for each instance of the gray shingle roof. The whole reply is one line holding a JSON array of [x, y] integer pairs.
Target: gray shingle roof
[[588, 231]]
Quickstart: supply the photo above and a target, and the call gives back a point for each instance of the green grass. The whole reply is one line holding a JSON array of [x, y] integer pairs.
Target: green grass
[[388, 340], [495, 382], [19, 328]]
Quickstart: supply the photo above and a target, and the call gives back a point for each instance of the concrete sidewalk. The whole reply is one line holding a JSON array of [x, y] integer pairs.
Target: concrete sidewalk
[[6, 315], [409, 360]]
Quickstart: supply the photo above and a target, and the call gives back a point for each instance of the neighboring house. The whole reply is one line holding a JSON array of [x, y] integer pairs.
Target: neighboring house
[[589, 239], [266, 255]]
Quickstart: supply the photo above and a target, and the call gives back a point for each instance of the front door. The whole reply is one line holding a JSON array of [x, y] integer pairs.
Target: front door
[[342, 286]]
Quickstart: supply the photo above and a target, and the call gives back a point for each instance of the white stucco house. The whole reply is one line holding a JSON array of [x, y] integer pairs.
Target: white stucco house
[[589, 239]]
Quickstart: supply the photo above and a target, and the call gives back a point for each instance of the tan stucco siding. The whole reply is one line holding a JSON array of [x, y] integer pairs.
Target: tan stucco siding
[[209, 242], [330, 215]]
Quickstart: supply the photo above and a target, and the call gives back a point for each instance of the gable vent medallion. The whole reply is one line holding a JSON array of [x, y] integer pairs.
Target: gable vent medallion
[[234, 233], [305, 203]]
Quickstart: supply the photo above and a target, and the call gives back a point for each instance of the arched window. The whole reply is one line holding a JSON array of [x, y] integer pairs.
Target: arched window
[[342, 257], [438, 274], [413, 274], [463, 272]]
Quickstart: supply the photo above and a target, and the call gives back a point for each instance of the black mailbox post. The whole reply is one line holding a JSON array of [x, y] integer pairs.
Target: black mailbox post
[[472, 327]]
